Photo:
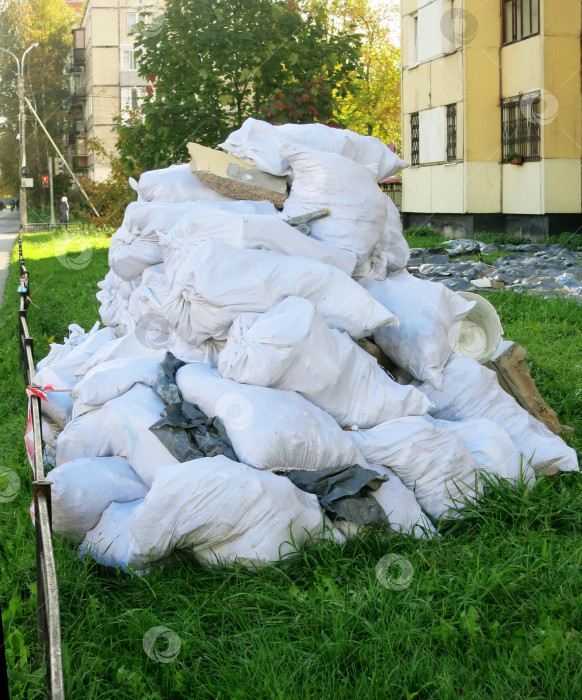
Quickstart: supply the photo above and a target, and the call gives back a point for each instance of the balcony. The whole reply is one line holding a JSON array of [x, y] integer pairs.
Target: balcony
[[79, 46]]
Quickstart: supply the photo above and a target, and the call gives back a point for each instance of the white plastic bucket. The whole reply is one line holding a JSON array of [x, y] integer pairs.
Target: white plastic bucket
[[478, 334]]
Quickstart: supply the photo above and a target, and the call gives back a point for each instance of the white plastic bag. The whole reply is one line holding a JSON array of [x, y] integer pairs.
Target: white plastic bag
[[358, 206], [264, 145], [432, 462], [108, 380], [58, 352], [400, 505], [490, 446], [245, 231], [111, 541], [269, 428], [217, 282], [119, 429], [470, 390], [423, 340], [220, 511], [291, 347], [174, 184], [83, 488], [391, 252]]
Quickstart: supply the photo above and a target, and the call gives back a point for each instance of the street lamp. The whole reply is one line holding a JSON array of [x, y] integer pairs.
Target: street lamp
[[20, 74]]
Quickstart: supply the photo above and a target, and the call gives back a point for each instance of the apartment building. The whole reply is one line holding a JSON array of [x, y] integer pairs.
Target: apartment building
[[104, 75], [492, 114]]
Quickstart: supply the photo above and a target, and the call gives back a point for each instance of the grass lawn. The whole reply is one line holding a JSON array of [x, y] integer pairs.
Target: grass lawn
[[493, 608]]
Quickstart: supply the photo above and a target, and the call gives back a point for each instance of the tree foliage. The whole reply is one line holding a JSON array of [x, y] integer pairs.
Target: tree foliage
[[373, 108], [215, 63], [22, 22]]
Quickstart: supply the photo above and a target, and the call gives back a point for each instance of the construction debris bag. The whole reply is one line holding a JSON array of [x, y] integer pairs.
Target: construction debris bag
[[135, 245], [490, 446], [175, 184], [391, 252], [59, 351], [358, 206], [427, 311], [291, 347], [220, 511], [400, 505], [83, 488], [470, 390], [111, 542], [268, 147], [108, 380], [62, 373], [245, 231], [268, 428], [433, 463], [217, 282], [119, 429]]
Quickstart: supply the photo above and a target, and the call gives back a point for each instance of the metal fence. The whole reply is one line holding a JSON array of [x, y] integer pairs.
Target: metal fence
[[42, 226], [48, 612]]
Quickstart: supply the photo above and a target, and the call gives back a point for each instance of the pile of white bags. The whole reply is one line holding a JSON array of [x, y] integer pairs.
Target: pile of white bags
[[261, 322]]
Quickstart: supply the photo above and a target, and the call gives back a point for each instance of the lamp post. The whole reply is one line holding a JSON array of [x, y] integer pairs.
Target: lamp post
[[22, 170]]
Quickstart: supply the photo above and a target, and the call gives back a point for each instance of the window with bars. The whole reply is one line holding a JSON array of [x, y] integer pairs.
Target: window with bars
[[520, 125], [451, 133], [521, 19], [414, 139]]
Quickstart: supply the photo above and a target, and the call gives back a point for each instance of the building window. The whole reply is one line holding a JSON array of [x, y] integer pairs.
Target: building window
[[521, 18], [414, 139], [415, 40], [451, 133], [128, 59], [520, 125], [133, 19]]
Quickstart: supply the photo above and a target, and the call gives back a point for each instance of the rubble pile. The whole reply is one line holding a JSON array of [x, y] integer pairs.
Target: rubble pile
[[229, 407]]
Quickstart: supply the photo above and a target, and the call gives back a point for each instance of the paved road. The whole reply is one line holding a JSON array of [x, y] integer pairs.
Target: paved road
[[9, 223]]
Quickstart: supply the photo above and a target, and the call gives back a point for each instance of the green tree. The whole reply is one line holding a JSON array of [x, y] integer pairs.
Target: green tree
[[216, 62], [373, 108], [49, 23]]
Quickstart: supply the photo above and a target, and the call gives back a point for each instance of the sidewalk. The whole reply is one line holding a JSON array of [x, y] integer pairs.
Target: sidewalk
[[9, 223]]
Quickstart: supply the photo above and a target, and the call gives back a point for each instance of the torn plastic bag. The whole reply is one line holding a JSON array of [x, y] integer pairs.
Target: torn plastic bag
[[433, 463], [490, 446], [358, 206], [291, 347], [217, 282], [264, 145], [120, 428], [245, 231], [83, 488], [111, 379], [470, 390], [183, 428], [343, 491], [268, 428], [174, 184], [427, 311]]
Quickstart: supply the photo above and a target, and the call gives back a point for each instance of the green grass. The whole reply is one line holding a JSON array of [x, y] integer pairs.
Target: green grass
[[493, 610], [426, 237]]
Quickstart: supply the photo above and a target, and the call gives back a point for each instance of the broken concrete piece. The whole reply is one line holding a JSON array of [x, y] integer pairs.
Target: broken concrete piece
[[515, 378], [234, 177]]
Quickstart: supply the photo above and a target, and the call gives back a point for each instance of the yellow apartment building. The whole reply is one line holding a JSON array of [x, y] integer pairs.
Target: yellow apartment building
[[492, 115], [104, 75]]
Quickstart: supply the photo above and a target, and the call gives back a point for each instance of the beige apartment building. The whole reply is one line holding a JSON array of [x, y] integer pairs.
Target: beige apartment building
[[492, 115], [104, 75]]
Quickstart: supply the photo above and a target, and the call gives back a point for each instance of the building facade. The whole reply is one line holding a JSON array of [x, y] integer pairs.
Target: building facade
[[104, 76], [492, 115]]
